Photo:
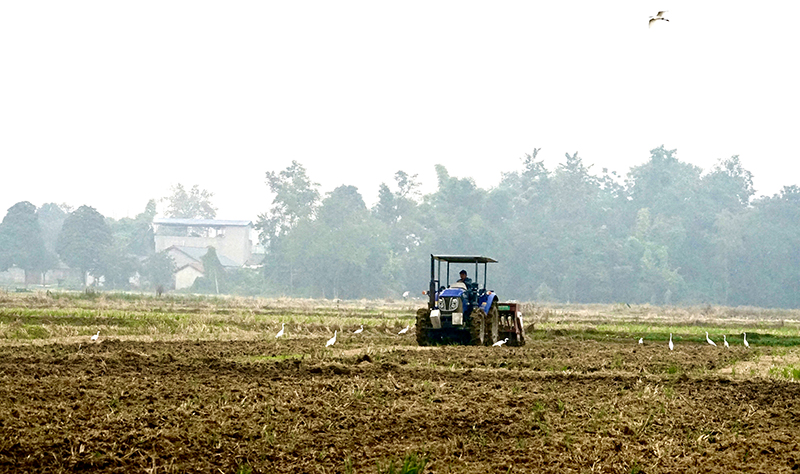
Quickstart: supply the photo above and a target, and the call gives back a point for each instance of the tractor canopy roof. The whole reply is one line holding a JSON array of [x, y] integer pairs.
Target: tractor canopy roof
[[464, 258]]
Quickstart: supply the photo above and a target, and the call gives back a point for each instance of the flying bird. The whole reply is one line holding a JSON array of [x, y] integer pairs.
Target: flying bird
[[500, 343], [331, 341], [641, 340], [280, 333], [359, 331], [94, 338], [708, 340], [725, 339], [671, 346], [659, 16], [745, 339], [405, 295], [405, 329]]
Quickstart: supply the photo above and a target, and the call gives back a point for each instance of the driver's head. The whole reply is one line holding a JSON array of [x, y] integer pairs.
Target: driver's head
[[462, 274]]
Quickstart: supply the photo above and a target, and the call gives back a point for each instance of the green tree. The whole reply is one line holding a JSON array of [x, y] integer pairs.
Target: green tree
[[135, 236], [342, 251], [195, 204], [85, 241], [51, 218], [158, 269], [21, 242], [398, 213], [293, 209], [296, 198], [214, 279]]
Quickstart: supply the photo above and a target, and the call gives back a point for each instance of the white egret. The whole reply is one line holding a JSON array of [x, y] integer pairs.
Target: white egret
[[500, 343], [331, 341], [405, 294], [360, 330], [745, 339], [671, 346], [94, 338], [708, 340], [405, 329], [641, 340], [659, 16], [725, 340], [280, 333]]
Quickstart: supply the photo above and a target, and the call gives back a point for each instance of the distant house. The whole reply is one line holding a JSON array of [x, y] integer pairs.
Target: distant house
[[188, 240]]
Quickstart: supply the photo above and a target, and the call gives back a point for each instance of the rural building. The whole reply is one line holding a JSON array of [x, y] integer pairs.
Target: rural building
[[188, 240], [229, 238]]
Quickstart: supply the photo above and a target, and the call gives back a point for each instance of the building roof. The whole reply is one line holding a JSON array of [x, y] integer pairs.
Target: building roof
[[197, 266], [171, 221], [197, 253]]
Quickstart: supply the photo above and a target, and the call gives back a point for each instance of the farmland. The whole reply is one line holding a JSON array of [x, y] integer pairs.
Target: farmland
[[185, 384]]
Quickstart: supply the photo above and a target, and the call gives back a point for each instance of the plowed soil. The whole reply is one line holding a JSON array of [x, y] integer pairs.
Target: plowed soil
[[289, 405]]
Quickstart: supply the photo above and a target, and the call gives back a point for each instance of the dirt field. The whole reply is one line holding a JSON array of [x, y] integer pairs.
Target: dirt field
[[374, 401]]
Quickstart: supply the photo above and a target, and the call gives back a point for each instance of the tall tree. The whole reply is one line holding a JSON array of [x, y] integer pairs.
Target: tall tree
[[293, 207], [296, 198], [21, 242], [398, 212], [51, 218], [342, 251], [195, 204], [158, 270], [85, 241], [135, 236]]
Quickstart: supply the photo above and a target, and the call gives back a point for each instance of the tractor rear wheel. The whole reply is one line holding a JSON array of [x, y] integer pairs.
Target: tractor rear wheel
[[477, 327], [493, 324], [423, 326]]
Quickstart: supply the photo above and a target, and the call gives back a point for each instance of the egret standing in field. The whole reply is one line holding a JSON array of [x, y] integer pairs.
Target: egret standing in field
[[280, 333], [671, 346], [405, 295], [708, 340], [94, 338], [500, 343], [641, 340], [405, 329], [743, 334], [331, 341], [725, 340], [360, 330]]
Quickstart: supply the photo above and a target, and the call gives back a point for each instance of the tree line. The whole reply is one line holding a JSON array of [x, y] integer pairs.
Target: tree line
[[665, 233]]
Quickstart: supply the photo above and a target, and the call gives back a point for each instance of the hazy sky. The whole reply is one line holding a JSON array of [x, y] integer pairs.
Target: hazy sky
[[111, 103]]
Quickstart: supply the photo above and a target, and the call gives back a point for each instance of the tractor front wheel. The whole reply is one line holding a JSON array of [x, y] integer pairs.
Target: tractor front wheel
[[477, 327], [423, 326]]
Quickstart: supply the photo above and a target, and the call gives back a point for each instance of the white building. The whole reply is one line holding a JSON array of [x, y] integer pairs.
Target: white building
[[188, 240]]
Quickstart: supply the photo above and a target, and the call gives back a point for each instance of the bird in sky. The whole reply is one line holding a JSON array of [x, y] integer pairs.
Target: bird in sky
[[331, 341], [280, 333], [671, 346], [94, 338], [500, 343], [641, 340], [405, 329], [360, 330], [725, 340], [659, 16], [708, 340], [745, 339]]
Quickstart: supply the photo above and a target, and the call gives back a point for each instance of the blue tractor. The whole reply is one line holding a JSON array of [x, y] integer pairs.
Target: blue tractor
[[463, 311]]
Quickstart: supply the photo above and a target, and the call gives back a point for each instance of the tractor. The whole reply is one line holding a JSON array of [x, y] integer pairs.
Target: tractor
[[463, 311]]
